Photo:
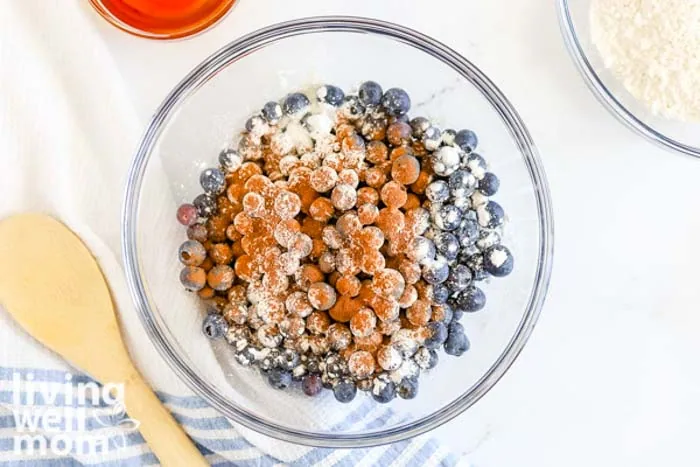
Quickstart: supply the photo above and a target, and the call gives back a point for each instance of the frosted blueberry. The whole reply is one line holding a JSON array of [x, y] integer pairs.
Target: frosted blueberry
[[408, 388], [419, 125], [475, 262], [422, 250], [459, 279], [296, 105], [426, 359], [383, 389], [435, 271], [370, 93], [447, 245], [440, 294], [279, 378], [468, 232], [229, 160], [288, 359], [432, 137], [214, 326], [438, 335], [311, 385], [205, 204], [272, 112], [330, 94], [344, 390], [471, 299], [462, 183], [498, 261], [490, 215], [352, 108], [447, 217], [254, 122], [448, 136], [445, 160], [437, 191], [213, 181], [466, 140], [488, 238], [396, 101], [476, 165]]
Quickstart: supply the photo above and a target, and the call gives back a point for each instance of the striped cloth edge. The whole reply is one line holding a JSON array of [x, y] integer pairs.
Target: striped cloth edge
[[206, 433]]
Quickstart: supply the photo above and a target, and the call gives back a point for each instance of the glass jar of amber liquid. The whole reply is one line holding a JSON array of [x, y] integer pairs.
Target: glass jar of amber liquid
[[162, 19]]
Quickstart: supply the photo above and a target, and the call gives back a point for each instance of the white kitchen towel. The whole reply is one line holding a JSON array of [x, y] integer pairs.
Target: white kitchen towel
[[67, 132]]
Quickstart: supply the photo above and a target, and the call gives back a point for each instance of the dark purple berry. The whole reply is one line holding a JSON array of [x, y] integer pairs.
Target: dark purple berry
[[440, 294], [438, 335], [459, 279], [447, 245], [462, 183], [448, 136], [311, 384], [408, 388], [419, 125], [205, 204], [437, 191], [490, 215], [229, 160], [192, 253], [435, 271], [186, 214], [383, 390], [447, 217], [288, 359], [352, 108], [457, 342], [471, 299]]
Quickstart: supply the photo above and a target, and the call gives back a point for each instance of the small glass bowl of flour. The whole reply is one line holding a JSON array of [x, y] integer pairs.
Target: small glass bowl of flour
[[641, 59]]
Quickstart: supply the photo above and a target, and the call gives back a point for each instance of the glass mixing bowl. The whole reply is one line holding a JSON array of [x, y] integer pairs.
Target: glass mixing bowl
[[202, 114], [574, 20]]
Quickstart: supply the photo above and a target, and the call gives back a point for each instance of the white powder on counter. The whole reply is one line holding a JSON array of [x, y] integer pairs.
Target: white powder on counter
[[653, 48]]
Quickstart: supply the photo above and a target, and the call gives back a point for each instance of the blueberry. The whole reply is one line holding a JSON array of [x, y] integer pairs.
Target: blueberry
[[214, 326], [457, 342], [288, 359], [396, 101], [408, 388], [246, 357], [498, 261], [213, 181], [311, 385], [440, 294], [383, 390], [435, 271], [254, 122], [272, 112], [471, 299], [330, 94], [427, 362], [445, 160], [475, 262], [490, 215], [447, 313], [448, 136], [419, 125], [422, 250], [205, 204], [459, 279], [432, 137], [437, 191], [279, 378], [447, 217], [489, 184], [370, 93], [229, 159], [476, 165], [438, 335], [462, 183], [466, 140], [468, 232], [447, 245], [344, 390], [296, 104], [457, 315], [192, 253], [352, 108], [398, 118]]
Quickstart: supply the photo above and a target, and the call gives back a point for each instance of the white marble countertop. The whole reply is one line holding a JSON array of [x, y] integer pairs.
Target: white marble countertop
[[610, 376]]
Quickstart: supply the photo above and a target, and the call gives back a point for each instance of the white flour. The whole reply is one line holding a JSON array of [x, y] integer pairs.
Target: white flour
[[653, 48]]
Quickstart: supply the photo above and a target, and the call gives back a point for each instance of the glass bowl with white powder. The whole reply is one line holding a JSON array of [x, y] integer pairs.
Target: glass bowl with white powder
[[203, 113], [641, 59]]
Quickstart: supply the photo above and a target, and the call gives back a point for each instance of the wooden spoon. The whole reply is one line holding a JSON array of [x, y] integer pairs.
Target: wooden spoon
[[53, 287]]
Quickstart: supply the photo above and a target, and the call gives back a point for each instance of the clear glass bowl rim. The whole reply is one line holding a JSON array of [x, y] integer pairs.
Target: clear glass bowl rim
[[269, 35], [604, 95]]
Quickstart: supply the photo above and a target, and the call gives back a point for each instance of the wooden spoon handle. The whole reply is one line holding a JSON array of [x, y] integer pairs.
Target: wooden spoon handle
[[163, 434]]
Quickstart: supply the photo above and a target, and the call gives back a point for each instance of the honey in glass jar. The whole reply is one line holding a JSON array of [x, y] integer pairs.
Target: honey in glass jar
[[162, 19]]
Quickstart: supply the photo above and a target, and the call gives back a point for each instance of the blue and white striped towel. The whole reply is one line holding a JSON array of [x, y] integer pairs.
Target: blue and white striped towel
[[67, 130]]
